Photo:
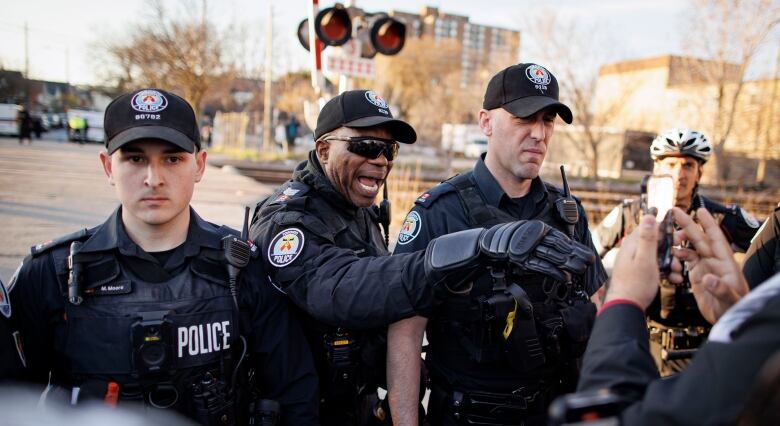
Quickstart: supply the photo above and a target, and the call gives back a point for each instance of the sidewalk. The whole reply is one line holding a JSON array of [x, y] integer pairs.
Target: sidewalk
[[52, 188]]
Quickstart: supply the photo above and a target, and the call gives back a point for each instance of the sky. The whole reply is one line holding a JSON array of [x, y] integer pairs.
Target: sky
[[62, 35]]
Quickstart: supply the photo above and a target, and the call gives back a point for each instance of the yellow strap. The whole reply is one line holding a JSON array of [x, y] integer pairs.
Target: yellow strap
[[510, 322]]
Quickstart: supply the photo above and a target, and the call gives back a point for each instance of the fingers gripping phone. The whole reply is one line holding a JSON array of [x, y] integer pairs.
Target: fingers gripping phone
[[658, 198]]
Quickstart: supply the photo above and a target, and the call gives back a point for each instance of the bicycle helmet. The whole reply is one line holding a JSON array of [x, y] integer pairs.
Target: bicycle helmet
[[678, 142]]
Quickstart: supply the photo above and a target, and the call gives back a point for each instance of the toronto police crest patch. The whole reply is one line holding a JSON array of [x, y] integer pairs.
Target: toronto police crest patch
[[285, 247], [149, 101], [410, 228]]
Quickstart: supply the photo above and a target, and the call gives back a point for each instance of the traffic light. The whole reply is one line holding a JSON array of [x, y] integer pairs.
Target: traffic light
[[303, 35], [333, 26], [388, 35]]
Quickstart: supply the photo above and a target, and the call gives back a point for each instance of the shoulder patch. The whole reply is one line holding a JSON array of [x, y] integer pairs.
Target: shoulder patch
[[292, 190], [750, 220], [429, 197], [285, 247], [5, 302], [410, 228], [42, 247]]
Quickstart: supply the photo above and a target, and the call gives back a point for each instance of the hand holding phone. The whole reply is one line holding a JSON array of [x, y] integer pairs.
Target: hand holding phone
[[658, 198]]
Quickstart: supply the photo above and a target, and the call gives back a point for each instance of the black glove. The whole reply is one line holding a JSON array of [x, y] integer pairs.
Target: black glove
[[534, 246], [526, 245]]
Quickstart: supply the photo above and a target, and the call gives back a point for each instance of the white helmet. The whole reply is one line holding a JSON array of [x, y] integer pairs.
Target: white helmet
[[676, 142]]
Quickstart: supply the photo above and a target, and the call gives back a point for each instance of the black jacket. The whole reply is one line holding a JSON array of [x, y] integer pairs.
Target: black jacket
[[275, 342], [763, 257], [712, 390], [329, 256]]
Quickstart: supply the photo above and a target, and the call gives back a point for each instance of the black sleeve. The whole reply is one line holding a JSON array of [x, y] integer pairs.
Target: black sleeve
[[333, 284], [622, 330], [739, 227], [595, 276], [712, 390], [278, 350], [37, 307], [10, 364], [763, 257]]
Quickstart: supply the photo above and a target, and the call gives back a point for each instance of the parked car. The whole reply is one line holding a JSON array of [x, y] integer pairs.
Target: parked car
[[8, 124]]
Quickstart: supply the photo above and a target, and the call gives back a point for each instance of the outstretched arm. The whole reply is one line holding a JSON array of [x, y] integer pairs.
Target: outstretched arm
[[404, 344]]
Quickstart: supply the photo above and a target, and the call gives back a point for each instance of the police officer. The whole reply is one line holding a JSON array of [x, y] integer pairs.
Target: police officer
[[156, 305], [492, 359], [762, 259], [320, 237], [680, 153], [676, 326], [328, 203]]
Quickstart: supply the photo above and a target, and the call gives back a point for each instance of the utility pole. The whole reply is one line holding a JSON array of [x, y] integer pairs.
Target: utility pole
[[26, 52], [267, 107], [26, 68]]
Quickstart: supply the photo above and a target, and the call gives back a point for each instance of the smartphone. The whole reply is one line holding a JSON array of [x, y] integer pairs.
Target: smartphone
[[660, 195]]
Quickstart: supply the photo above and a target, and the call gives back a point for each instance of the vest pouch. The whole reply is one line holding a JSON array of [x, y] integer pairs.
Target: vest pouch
[[578, 323], [342, 351], [98, 341]]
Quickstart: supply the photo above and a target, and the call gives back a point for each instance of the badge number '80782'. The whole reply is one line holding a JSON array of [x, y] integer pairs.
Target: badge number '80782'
[[285, 247]]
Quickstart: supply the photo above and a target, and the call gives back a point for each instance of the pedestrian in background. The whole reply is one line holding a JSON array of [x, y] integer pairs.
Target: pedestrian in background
[[24, 120]]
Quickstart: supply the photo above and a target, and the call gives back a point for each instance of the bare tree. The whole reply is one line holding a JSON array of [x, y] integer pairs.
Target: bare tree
[[574, 52], [181, 50], [422, 82], [729, 33]]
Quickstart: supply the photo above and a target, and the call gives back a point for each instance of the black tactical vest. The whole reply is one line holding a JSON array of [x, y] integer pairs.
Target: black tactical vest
[[468, 329], [164, 343]]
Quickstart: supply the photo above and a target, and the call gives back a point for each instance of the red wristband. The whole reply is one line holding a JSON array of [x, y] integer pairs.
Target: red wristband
[[614, 302]]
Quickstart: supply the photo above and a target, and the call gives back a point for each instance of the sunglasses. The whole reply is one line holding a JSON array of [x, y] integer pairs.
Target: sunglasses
[[369, 146]]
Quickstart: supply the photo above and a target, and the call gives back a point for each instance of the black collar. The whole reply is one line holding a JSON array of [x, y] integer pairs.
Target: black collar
[[310, 172], [493, 192], [111, 234]]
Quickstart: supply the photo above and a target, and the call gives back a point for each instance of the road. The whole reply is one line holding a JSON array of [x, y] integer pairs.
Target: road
[[52, 188]]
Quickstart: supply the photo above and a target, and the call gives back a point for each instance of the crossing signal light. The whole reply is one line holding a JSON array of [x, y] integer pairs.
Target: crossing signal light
[[333, 25], [388, 35], [303, 35]]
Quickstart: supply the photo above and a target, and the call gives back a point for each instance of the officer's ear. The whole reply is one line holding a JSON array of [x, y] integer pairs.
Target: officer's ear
[[322, 148], [200, 163], [105, 160], [484, 122]]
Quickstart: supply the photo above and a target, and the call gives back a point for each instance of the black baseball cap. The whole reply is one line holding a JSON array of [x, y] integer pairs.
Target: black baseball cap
[[361, 108], [151, 114], [523, 90]]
